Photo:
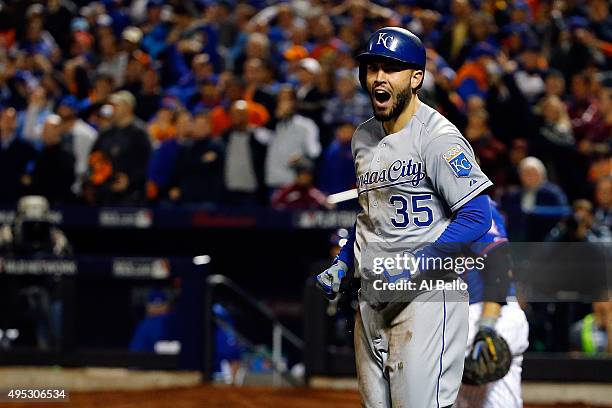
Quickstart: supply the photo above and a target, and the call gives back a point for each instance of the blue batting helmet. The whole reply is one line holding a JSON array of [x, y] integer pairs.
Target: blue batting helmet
[[394, 43]]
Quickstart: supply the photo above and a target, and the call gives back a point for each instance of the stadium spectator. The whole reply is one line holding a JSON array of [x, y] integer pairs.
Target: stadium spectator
[[336, 170], [39, 107], [310, 100], [603, 202], [119, 158], [16, 157], [301, 194], [198, 174], [99, 94], [159, 323], [186, 86], [257, 78], [348, 102], [149, 93], [455, 35], [580, 226], [257, 46], [536, 206], [78, 138], [554, 85], [137, 62], [207, 96], [490, 151], [53, 174], [162, 126], [505, 101], [58, 15], [112, 61], [530, 74], [292, 138], [554, 144], [244, 160], [474, 75], [234, 90], [581, 105], [37, 39], [592, 335], [163, 159]]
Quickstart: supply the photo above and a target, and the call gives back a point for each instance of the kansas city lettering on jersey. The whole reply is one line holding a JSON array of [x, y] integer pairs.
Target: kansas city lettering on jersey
[[400, 170]]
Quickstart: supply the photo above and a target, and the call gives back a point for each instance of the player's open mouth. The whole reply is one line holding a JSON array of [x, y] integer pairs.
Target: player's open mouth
[[382, 98]]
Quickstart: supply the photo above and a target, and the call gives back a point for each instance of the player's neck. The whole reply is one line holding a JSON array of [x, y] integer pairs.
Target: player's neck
[[397, 124]]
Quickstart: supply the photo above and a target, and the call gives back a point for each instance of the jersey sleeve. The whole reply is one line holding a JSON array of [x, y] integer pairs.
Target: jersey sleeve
[[452, 168]]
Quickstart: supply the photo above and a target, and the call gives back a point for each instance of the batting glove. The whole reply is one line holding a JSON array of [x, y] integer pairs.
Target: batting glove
[[329, 280]]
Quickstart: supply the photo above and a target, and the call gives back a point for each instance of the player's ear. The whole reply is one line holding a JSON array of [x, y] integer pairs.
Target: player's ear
[[416, 80]]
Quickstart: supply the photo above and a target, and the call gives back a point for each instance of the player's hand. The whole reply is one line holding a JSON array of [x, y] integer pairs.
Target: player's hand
[[489, 360], [329, 280]]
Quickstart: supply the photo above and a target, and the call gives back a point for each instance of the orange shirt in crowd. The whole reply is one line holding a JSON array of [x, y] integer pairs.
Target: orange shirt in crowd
[[221, 121], [159, 133]]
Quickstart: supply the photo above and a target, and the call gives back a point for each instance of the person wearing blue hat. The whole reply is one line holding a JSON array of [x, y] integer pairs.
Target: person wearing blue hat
[[473, 77], [159, 324], [336, 169], [78, 136]]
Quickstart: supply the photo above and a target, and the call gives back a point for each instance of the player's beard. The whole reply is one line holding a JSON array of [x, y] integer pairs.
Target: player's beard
[[402, 100]]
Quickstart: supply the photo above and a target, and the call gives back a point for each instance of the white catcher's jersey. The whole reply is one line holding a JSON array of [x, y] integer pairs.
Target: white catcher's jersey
[[410, 182]]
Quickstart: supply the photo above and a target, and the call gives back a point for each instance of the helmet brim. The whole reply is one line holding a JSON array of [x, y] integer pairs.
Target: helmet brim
[[365, 57]]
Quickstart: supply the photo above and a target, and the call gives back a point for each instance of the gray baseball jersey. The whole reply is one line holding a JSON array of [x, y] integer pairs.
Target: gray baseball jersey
[[410, 182]]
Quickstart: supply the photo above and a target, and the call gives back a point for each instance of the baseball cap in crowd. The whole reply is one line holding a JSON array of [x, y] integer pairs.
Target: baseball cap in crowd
[[576, 22], [157, 296], [70, 102], [311, 65], [202, 58], [35, 9], [532, 45], [514, 28], [155, 3], [87, 11], [106, 111], [209, 79], [79, 24], [295, 53], [483, 49], [104, 20], [132, 34], [125, 97], [520, 5], [53, 119], [303, 164]]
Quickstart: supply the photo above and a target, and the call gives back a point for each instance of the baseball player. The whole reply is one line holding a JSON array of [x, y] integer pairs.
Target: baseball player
[[418, 182], [494, 311]]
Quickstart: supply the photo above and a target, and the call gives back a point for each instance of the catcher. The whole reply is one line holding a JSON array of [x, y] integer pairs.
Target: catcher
[[498, 332]]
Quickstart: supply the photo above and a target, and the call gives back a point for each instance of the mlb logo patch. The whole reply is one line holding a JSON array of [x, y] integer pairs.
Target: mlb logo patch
[[458, 161]]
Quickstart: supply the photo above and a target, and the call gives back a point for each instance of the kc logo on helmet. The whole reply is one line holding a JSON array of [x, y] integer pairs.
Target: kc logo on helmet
[[388, 41]]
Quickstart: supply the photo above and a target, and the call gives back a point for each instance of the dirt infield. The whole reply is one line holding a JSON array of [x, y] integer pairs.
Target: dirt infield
[[219, 397]]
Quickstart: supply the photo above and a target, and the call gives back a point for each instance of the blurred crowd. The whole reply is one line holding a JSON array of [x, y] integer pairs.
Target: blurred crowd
[[254, 102]]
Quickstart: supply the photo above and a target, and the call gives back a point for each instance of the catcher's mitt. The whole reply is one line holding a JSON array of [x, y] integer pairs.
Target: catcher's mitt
[[489, 359]]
